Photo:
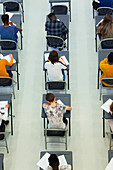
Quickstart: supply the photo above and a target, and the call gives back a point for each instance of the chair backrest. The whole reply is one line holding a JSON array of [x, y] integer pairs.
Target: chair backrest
[[56, 85], [11, 6], [59, 9], [107, 81], [5, 81], [8, 45], [55, 132], [107, 43], [104, 10], [54, 41]]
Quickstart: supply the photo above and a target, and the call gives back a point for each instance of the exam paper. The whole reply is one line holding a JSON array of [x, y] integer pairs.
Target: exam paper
[[7, 57], [62, 160], [106, 105], [43, 162], [10, 14], [64, 60], [46, 56], [60, 102]]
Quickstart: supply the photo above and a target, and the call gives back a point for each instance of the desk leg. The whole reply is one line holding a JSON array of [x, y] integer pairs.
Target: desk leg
[[103, 125], [69, 127], [44, 126], [70, 10], [98, 79], [17, 78], [45, 81], [68, 78], [51, 6], [93, 13], [11, 120], [67, 41]]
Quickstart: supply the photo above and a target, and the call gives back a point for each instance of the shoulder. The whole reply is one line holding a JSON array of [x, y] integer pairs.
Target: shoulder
[[65, 167]]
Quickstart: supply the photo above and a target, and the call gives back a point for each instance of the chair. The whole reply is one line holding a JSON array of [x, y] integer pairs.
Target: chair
[[4, 88], [55, 133], [106, 43], [13, 6], [56, 86], [109, 90], [8, 45], [4, 140], [104, 10], [55, 42], [59, 9]]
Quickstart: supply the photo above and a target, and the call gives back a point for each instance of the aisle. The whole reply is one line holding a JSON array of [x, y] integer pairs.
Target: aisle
[[88, 146]]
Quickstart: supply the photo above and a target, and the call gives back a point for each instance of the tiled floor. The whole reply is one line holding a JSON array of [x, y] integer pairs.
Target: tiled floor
[[87, 144]]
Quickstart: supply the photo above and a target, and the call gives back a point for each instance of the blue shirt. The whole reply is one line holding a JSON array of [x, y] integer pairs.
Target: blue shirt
[[9, 33], [106, 3]]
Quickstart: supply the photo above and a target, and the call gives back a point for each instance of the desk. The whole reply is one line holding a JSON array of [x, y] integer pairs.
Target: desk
[[65, 20], [14, 67], [1, 161], [60, 53], [67, 154], [110, 155], [66, 99], [61, 1], [105, 114], [8, 97]]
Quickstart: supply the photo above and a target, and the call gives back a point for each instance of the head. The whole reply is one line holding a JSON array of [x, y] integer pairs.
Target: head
[[111, 108], [53, 57], [52, 16], [107, 18], [53, 161], [110, 58], [50, 97], [5, 18]]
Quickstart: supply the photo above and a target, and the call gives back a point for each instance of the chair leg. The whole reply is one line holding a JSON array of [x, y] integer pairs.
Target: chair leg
[[110, 142], [45, 142], [13, 93], [6, 145], [100, 92], [66, 140]]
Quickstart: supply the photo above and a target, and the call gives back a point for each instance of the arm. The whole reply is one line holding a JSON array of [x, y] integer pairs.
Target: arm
[[102, 63], [44, 104], [68, 108], [64, 28], [11, 23], [11, 61]]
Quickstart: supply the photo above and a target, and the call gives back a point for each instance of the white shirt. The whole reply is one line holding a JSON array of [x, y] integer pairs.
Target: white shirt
[[63, 167], [110, 165], [54, 70]]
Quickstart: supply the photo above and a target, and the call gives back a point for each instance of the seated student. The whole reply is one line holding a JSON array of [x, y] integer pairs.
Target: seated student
[[55, 27], [55, 112], [55, 68], [54, 164], [4, 72], [106, 67], [111, 120], [8, 31], [105, 28], [3, 123], [102, 3]]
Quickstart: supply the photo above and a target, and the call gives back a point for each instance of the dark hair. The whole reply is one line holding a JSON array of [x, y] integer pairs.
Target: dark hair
[[107, 24], [53, 161], [5, 18], [51, 15], [110, 57], [53, 57], [50, 97]]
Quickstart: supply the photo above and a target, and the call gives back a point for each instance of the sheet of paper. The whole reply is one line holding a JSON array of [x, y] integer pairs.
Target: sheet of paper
[[7, 57], [62, 160], [99, 23], [60, 102], [10, 14], [43, 162], [64, 60], [110, 165], [5, 110], [46, 56], [106, 105]]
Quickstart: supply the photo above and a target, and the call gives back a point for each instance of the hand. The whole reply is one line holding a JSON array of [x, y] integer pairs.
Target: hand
[[10, 22], [7, 106]]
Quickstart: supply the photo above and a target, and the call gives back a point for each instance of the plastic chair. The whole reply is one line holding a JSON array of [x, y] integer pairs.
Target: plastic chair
[[13, 6], [55, 42], [6, 87], [59, 9], [56, 86], [106, 43], [8, 45], [109, 90], [55, 133], [4, 140], [104, 10]]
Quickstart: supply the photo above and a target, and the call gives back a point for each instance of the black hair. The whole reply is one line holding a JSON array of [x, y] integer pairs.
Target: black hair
[[110, 57], [53, 161], [5, 18], [53, 56], [51, 15], [50, 97]]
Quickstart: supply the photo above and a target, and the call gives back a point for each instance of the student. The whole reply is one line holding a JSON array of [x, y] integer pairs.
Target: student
[[105, 29], [54, 164], [8, 31], [55, 68], [106, 67], [55, 27], [55, 112], [4, 72], [111, 120]]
